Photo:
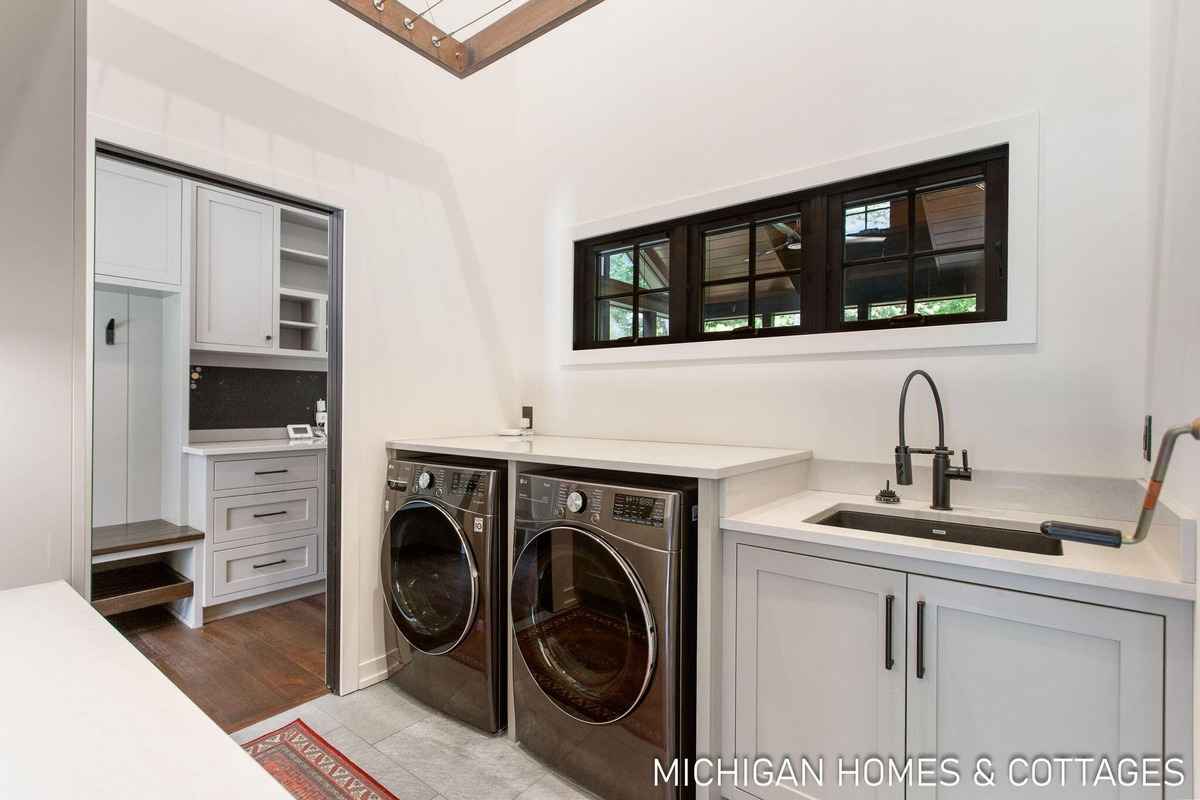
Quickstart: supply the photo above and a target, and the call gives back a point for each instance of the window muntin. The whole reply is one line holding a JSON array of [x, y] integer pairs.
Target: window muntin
[[920, 245], [633, 283], [917, 253], [734, 259]]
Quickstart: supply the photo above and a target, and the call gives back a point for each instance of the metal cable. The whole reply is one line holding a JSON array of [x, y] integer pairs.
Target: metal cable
[[437, 41]]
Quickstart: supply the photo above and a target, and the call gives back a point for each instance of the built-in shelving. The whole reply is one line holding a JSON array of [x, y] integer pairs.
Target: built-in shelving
[[130, 587], [303, 281]]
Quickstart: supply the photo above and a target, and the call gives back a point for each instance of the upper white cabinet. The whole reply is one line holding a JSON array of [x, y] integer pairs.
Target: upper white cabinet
[[236, 271], [1007, 674], [972, 671], [139, 223], [815, 676]]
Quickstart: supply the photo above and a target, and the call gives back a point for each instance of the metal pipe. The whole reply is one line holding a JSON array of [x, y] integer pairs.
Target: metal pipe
[[1159, 474], [1111, 537]]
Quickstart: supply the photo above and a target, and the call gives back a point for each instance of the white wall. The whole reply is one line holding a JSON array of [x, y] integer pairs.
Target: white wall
[[38, 306], [1175, 344], [316, 103], [459, 195], [636, 104]]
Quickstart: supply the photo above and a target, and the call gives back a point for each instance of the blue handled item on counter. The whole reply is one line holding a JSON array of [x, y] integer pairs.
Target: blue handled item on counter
[[1110, 537]]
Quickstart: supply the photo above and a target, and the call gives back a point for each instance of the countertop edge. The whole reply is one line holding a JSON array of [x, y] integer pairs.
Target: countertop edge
[[676, 470], [1177, 590]]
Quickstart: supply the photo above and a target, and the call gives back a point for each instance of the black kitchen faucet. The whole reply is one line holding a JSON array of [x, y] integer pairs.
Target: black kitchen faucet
[[943, 472]]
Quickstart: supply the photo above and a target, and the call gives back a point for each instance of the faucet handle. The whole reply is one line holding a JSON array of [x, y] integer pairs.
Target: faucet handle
[[966, 467]]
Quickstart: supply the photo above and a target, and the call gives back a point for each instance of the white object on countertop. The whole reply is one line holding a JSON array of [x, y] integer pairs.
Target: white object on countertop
[[119, 727], [510, 432], [251, 447], [710, 461]]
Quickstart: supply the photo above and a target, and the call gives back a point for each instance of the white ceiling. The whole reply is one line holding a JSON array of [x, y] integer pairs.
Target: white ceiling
[[450, 14]]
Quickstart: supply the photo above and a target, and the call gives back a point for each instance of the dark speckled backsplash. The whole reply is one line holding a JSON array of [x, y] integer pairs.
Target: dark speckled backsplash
[[231, 397]]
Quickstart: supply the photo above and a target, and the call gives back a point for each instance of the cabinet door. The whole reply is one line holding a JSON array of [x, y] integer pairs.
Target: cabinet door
[[813, 679], [1011, 674], [139, 219], [236, 271]]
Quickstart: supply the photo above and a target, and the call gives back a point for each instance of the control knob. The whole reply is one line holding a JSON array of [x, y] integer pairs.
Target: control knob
[[576, 502], [425, 480]]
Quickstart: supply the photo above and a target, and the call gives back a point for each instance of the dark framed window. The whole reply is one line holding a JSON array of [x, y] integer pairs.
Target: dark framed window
[[914, 246]]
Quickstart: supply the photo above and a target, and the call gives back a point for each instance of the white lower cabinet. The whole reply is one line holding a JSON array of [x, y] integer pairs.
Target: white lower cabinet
[[1013, 675], [974, 671]]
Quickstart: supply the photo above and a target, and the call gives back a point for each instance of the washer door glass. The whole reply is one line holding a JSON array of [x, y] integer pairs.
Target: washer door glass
[[582, 624], [430, 577]]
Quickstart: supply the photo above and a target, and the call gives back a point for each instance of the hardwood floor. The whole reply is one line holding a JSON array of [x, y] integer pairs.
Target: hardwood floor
[[242, 669]]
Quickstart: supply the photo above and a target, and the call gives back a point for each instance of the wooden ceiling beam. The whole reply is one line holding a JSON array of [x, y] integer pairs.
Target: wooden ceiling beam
[[520, 26], [451, 56]]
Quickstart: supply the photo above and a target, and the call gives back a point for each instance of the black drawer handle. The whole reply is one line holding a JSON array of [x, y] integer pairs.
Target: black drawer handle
[[270, 472], [920, 638], [271, 563], [269, 514], [888, 661]]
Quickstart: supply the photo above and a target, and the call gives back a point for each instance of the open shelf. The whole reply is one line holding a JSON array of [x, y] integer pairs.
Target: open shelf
[[110, 539], [304, 256], [302, 294], [128, 588]]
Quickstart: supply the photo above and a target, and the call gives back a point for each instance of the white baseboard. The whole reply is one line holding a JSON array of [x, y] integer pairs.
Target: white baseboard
[[372, 671], [235, 607]]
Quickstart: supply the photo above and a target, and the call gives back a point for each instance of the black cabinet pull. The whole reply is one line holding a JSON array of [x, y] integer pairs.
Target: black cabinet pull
[[110, 331], [269, 514], [271, 472], [271, 563], [888, 661], [920, 638]]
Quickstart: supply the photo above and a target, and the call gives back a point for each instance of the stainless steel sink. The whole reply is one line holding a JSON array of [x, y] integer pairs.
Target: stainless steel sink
[[959, 532]]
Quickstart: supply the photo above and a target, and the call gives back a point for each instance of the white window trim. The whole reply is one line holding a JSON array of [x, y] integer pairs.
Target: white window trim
[[1019, 133]]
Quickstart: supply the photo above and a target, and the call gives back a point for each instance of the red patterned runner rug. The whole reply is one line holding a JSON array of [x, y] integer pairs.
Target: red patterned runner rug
[[311, 768]]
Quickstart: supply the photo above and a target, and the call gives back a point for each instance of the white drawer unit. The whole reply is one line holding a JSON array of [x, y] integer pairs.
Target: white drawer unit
[[269, 514], [243, 571], [253, 473], [251, 507]]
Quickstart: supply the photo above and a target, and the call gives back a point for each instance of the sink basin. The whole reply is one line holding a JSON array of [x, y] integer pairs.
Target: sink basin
[[959, 532]]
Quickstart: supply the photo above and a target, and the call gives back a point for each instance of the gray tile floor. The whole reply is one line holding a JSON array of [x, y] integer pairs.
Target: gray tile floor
[[418, 753]]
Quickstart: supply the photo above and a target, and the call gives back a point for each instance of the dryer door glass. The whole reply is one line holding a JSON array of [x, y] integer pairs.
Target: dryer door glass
[[582, 624], [430, 577]]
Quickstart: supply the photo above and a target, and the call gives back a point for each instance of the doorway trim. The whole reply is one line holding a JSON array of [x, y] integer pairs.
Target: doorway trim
[[334, 371]]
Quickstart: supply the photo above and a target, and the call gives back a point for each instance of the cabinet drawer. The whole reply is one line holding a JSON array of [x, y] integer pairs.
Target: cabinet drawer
[[254, 472], [269, 514], [261, 566]]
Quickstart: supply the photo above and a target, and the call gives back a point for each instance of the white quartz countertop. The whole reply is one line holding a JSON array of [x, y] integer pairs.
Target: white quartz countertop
[[1152, 567], [661, 458], [86, 715], [253, 446]]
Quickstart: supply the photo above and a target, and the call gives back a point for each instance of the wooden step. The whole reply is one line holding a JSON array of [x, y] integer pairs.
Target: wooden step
[[128, 588]]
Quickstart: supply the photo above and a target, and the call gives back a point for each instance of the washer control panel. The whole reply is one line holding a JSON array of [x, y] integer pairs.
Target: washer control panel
[[646, 516], [456, 486]]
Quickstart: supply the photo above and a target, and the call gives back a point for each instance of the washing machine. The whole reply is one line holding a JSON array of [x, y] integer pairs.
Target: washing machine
[[603, 612], [442, 569]]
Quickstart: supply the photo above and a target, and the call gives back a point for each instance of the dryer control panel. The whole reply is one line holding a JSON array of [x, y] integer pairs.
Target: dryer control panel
[[637, 514]]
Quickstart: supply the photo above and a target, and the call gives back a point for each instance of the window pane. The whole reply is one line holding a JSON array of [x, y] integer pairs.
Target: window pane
[[777, 245], [951, 217], [654, 271], [614, 272], [949, 284], [614, 319], [654, 314], [875, 291], [726, 307], [876, 228], [777, 302], [726, 254]]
